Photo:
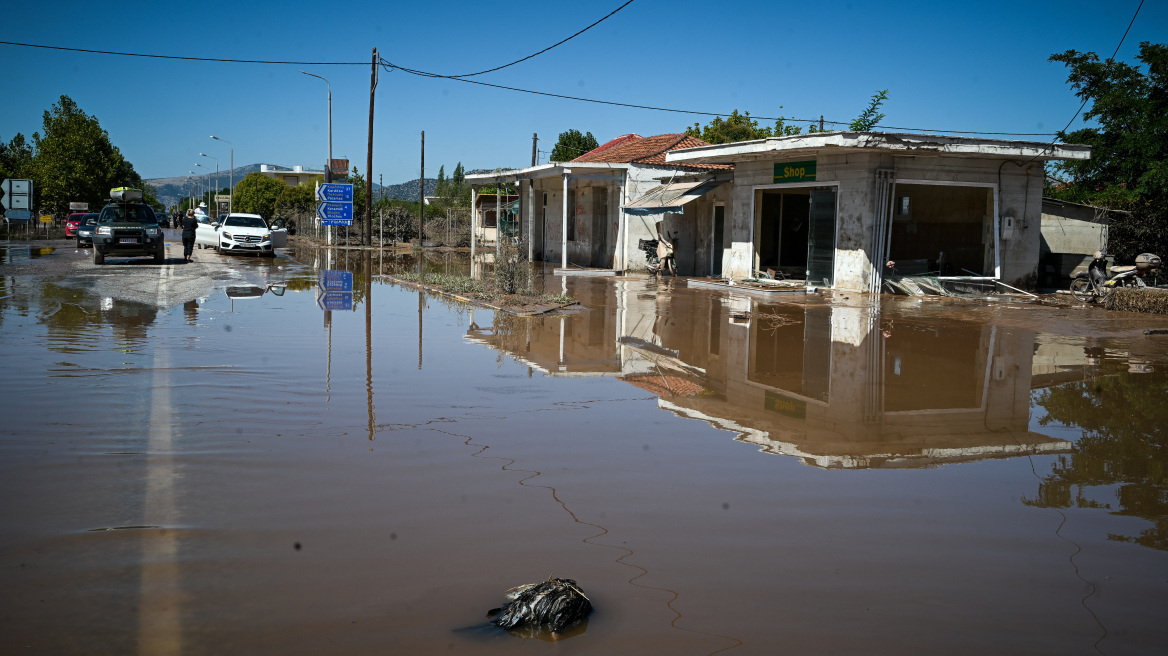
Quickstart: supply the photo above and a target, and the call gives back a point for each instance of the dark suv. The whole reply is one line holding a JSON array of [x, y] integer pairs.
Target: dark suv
[[128, 229]]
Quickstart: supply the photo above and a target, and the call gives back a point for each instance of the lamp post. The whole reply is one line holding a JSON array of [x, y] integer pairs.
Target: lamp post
[[216, 195], [194, 189], [328, 167], [231, 196], [208, 174]]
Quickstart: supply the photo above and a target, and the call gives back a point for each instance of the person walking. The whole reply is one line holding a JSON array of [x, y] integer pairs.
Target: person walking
[[189, 225]]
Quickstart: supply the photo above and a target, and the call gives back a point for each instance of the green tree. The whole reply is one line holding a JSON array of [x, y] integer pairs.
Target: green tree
[[74, 160], [572, 144], [871, 116], [1128, 169], [257, 194], [440, 186], [739, 127]]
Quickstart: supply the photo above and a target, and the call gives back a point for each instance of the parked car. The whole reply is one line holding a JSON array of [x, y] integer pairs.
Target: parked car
[[72, 222], [238, 233], [127, 227], [85, 230]]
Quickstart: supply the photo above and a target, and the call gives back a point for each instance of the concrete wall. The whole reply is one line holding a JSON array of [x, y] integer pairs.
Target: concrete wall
[[854, 174], [1070, 228]]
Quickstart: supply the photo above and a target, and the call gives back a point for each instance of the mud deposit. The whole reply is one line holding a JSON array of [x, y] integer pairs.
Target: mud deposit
[[224, 467]]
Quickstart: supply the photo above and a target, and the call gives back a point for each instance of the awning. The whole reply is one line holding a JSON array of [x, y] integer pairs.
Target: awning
[[671, 197]]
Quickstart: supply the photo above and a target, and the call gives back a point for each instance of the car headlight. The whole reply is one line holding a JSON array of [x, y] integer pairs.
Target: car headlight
[[103, 231], [226, 234], [267, 237], [153, 232]]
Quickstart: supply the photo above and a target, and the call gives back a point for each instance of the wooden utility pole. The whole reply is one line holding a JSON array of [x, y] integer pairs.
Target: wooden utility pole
[[534, 149], [369, 157], [422, 191]]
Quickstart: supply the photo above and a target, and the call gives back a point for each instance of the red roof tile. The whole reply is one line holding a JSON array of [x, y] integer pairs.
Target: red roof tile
[[648, 150], [614, 142]]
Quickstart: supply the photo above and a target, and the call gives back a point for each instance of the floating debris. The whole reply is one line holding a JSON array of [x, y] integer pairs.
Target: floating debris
[[1150, 300], [554, 603]]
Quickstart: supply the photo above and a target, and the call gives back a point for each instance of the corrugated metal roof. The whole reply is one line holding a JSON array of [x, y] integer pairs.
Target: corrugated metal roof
[[671, 197]]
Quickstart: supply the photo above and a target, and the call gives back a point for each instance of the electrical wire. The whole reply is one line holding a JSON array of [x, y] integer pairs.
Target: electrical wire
[[206, 59], [536, 54], [390, 66]]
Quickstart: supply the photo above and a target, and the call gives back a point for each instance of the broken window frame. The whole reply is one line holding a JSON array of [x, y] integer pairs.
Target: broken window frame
[[886, 248]]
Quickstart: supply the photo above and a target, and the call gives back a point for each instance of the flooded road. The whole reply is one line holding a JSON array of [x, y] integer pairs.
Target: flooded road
[[226, 467]]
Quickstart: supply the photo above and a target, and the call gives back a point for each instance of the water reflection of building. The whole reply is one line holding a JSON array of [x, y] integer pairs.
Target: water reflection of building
[[833, 385]]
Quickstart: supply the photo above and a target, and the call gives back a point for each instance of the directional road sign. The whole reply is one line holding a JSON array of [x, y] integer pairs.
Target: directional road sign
[[18, 215], [335, 213], [335, 301], [17, 194], [331, 280], [335, 193]]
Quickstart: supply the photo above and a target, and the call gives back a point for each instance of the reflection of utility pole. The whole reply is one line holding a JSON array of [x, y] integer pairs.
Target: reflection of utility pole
[[420, 302], [368, 339]]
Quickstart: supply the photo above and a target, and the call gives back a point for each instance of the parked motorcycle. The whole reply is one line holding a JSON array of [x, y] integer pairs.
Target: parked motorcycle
[[1087, 288], [649, 248]]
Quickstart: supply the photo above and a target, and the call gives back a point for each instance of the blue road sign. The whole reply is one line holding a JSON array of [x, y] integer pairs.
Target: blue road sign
[[331, 280], [335, 213], [18, 215], [335, 193], [335, 301]]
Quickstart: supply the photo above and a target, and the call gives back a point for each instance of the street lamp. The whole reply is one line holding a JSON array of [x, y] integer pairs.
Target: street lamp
[[230, 198], [194, 189], [328, 169], [216, 215], [208, 174]]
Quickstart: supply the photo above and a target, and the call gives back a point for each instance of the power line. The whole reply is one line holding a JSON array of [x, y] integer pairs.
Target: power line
[[390, 66], [517, 61], [206, 59]]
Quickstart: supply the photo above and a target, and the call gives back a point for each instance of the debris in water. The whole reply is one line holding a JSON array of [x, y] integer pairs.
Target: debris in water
[[555, 603]]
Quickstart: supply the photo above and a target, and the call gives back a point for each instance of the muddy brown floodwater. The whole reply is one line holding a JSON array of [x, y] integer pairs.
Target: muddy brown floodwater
[[242, 472]]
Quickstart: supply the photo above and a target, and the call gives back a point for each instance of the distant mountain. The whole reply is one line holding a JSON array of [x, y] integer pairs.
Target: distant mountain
[[171, 190], [405, 190]]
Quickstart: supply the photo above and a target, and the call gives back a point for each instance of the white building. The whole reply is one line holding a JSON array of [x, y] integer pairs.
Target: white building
[[290, 176]]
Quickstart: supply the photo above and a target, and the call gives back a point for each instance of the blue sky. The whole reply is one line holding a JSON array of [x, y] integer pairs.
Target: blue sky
[[952, 66]]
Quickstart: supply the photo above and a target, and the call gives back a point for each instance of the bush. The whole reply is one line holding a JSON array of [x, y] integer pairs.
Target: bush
[[1152, 301]]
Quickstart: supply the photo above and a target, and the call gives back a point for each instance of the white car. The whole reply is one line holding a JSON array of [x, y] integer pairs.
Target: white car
[[240, 233]]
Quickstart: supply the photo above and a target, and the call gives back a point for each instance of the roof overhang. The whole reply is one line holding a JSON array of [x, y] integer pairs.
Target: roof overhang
[[545, 171], [899, 144], [671, 197]]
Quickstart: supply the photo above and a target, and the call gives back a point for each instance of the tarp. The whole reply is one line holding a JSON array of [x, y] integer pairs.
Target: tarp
[[671, 197]]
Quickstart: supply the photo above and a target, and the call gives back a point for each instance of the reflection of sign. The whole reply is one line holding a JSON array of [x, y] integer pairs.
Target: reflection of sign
[[330, 280], [795, 171], [785, 406], [335, 193], [335, 301], [335, 213], [79, 206], [45, 219]]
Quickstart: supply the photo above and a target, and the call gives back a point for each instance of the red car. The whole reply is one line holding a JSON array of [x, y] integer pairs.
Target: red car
[[71, 224]]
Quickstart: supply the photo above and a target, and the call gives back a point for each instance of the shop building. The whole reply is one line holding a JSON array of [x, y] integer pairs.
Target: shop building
[[833, 208]]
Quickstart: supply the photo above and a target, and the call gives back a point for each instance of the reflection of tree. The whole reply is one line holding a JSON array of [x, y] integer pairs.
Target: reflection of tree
[[1124, 444]]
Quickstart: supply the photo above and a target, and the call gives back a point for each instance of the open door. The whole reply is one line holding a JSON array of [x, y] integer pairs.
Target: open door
[[821, 238]]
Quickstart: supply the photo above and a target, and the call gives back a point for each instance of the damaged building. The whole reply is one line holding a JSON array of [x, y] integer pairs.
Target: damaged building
[[574, 213], [833, 208]]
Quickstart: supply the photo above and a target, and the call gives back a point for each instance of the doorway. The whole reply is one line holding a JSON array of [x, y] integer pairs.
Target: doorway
[[942, 230], [601, 257], [719, 234]]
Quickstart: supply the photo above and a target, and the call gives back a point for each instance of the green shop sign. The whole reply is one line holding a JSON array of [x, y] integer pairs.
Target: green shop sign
[[795, 172]]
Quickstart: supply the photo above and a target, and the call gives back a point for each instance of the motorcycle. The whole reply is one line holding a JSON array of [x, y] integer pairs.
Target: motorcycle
[[649, 248], [1086, 289]]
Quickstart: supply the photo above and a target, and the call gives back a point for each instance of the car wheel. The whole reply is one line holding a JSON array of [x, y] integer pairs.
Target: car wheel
[[78, 243], [98, 257]]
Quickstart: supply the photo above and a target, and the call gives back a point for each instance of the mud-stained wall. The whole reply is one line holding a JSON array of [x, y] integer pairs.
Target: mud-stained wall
[[1019, 196]]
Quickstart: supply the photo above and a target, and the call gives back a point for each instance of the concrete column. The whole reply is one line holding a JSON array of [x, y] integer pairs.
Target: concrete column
[[530, 219], [498, 221], [474, 192], [623, 224], [564, 233]]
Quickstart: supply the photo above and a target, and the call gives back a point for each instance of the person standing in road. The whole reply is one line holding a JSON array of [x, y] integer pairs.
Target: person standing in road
[[189, 224]]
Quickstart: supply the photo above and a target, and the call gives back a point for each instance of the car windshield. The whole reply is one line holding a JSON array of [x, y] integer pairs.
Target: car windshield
[[114, 213], [244, 222]]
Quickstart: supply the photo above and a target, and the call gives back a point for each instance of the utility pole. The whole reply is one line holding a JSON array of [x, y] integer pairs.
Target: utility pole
[[821, 122], [534, 149], [369, 158], [422, 193], [381, 212]]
